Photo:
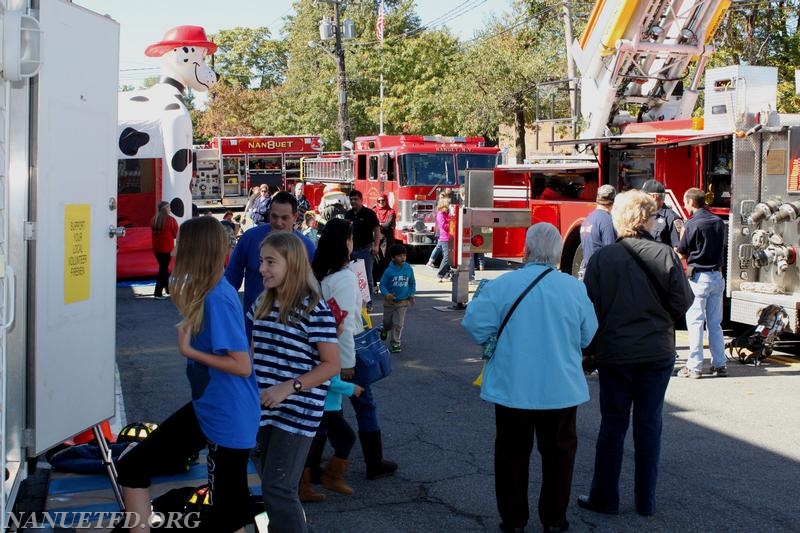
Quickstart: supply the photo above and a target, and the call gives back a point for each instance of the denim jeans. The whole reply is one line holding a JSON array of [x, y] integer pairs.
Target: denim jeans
[[365, 409], [708, 288], [640, 387], [444, 266]]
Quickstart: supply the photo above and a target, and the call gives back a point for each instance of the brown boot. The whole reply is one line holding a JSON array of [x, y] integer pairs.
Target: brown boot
[[333, 476], [306, 491]]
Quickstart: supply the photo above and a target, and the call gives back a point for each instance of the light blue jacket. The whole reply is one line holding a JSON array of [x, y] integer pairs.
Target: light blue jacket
[[537, 363], [336, 390]]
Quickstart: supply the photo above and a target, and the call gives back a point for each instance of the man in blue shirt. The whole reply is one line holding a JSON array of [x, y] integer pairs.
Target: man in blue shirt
[[243, 263], [665, 230], [597, 230], [702, 244]]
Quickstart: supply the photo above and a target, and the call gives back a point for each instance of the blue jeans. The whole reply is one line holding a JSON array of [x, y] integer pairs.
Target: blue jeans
[[365, 253], [365, 409], [622, 387], [708, 288], [444, 266], [436, 253]]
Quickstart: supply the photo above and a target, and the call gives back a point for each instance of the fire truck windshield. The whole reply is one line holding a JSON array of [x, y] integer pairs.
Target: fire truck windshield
[[427, 169], [437, 168]]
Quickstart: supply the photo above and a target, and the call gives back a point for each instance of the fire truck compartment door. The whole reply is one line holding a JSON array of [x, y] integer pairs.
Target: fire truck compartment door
[[483, 221], [73, 251]]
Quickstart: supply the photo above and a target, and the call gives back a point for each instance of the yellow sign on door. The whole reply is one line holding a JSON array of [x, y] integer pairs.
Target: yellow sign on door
[[77, 261]]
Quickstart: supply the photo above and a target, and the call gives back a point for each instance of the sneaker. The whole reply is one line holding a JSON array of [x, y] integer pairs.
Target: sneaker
[[395, 348], [719, 371], [384, 334], [160, 297], [684, 372], [430, 265]]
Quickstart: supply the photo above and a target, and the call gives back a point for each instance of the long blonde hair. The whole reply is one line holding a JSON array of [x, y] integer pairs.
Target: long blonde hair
[[298, 284], [158, 220], [199, 265]]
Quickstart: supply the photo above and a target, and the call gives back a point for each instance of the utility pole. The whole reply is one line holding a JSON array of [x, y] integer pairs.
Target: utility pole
[[343, 121], [573, 88]]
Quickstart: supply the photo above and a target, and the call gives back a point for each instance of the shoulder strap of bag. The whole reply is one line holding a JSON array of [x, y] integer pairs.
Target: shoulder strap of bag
[[519, 299], [649, 273]]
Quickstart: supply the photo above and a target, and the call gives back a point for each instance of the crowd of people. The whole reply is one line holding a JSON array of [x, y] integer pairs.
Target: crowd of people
[[287, 360], [270, 373], [620, 322]]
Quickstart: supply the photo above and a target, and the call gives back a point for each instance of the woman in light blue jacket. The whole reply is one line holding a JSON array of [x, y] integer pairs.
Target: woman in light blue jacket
[[535, 378]]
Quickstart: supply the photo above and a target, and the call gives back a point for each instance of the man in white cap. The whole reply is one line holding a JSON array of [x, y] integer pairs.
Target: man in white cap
[[664, 230], [597, 230]]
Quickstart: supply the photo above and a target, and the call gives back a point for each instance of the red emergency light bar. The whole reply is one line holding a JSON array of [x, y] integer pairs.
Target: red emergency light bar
[[478, 141]]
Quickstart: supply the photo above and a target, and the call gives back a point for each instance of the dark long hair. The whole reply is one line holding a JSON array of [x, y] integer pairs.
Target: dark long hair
[[332, 254]]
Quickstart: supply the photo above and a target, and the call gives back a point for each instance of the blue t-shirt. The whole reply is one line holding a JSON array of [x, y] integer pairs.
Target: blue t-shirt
[[597, 230], [243, 264], [227, 406]]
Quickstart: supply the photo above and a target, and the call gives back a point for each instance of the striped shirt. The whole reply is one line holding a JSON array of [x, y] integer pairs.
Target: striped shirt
[[282, 353]]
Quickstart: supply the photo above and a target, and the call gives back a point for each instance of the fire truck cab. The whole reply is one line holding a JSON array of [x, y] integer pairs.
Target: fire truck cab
[[412, 170]]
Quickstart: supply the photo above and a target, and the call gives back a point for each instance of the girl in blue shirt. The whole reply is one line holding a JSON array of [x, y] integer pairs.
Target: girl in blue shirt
[[223, 413]]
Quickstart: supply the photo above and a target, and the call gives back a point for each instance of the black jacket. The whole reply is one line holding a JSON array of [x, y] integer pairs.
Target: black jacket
[[635, 326]]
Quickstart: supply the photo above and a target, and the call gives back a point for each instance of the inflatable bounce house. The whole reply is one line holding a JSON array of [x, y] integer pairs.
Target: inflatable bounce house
[[155, 145]]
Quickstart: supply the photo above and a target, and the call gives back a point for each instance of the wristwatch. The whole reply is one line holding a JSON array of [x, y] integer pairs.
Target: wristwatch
[[297, 385]]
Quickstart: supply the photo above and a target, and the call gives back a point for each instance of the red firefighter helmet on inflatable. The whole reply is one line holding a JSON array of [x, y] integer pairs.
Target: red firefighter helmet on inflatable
[[181, 36]]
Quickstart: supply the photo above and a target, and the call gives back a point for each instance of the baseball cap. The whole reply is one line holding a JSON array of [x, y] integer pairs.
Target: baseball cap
[[653, 186], [606, 194]]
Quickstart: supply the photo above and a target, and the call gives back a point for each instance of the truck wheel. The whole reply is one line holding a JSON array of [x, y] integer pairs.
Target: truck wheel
[[577, 259]]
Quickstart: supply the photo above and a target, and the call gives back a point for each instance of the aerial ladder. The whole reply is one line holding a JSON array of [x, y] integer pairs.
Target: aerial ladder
[[637, 53]]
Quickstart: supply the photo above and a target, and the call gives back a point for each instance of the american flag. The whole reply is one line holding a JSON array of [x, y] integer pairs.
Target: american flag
[[379, 24]]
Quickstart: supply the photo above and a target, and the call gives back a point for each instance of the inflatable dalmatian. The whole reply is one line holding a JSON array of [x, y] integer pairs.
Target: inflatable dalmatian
[[155, 123]]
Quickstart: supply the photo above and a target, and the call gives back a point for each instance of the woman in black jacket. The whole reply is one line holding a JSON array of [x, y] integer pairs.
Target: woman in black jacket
[[638, 288]]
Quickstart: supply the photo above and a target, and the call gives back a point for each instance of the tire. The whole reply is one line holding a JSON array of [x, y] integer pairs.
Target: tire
[[577, 259]]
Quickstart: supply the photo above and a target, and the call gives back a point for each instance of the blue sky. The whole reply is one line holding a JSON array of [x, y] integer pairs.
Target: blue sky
[[143, 22]]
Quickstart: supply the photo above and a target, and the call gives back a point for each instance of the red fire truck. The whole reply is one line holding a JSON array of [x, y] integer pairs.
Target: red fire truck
[[229, 167], [637, 116], [411, 170]]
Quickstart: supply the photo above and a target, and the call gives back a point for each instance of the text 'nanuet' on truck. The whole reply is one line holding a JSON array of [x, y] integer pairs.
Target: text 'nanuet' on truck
[[229, 167]]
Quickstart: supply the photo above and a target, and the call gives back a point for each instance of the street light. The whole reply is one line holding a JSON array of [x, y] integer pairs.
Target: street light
[[338, 30]]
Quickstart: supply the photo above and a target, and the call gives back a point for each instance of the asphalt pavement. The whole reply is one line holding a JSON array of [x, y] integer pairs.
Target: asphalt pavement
[[730, 452]]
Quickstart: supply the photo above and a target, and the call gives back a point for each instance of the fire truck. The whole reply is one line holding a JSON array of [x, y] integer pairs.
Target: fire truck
[[229, 167], [411, 170], [744, 154]]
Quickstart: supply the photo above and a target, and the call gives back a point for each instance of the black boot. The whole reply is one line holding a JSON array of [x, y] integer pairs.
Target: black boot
[[377, 466]]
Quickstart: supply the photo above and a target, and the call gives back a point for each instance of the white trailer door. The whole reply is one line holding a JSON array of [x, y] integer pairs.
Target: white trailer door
[[73, 257]]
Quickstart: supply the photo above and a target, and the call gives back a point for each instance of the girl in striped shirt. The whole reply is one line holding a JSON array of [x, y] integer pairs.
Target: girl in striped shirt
[[295, 354]]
